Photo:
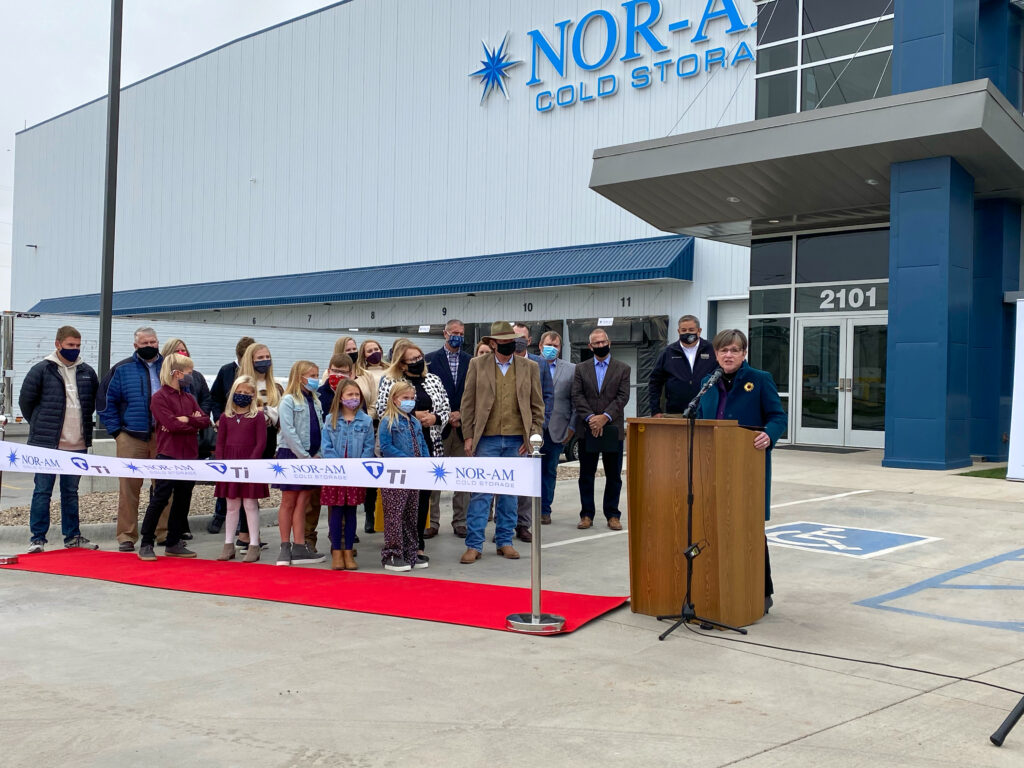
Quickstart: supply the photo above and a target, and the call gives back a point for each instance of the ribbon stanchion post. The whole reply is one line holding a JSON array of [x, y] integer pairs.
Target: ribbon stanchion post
[[536, 622]]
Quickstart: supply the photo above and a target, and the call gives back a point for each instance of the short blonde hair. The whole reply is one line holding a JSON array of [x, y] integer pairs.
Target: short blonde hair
[[230, 409], [730, 336], [391, 411], [171, 345], [172, 363]]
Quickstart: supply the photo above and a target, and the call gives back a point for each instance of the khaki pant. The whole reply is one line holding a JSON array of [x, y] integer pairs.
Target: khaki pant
[[312, 517], [129, 488], [453, 446]]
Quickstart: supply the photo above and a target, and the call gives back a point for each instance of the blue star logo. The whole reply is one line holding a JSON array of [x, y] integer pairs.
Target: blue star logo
[[440, 473], [494, 72], [132, 467], [278, 469], [12, 457]]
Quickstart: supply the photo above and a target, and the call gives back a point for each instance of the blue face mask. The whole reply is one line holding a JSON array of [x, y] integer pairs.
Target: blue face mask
[[407, 406], [549, 353], [70, 354], [312, 384], [455, 341], [242, 401], [262, 366]]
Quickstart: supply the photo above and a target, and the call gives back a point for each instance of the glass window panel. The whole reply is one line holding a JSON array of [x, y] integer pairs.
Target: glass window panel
[[776, 95], [776, 57], [820, 15], [771, 302], [844, 43], [771, 262], [847, 81], [776, 21], [869, 357], [819, 372], [860, 255], [769, 348], [785, 407]]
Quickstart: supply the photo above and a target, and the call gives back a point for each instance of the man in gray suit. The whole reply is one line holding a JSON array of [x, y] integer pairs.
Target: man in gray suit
[[562, 424]]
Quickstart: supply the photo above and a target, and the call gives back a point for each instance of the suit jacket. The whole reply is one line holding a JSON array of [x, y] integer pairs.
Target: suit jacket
[[547, 387], [437, 364], [479, 395], [672, 372], [221, 387], [753, 401], [563, 415], [610, 399]]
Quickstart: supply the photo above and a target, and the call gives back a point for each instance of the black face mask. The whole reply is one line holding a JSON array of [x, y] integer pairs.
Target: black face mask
[[353, 356], [506, 347], [416, 369], [601, 352], [148, 353], [688, 338]]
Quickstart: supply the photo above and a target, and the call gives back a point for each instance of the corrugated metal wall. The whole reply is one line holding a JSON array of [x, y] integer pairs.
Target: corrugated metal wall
[[354, 137]]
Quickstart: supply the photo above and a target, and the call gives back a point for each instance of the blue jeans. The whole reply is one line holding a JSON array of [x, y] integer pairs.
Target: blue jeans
[[480, 503], [552, 452], [39, 512]]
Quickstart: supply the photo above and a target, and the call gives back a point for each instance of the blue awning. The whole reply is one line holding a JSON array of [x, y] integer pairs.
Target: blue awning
[[627, 261]]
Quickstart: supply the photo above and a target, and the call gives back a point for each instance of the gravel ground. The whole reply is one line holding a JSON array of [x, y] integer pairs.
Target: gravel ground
[[102, 507]]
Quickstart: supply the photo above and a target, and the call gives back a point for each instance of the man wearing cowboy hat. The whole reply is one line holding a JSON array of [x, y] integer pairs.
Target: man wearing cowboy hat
[[501, 408]]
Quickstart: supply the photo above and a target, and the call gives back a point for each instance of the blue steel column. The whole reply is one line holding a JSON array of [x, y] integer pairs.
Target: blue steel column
[[999, 49], [997, 241], [930, 254], [933, 43]]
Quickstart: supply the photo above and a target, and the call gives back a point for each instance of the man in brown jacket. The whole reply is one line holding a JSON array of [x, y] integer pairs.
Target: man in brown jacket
[[501, 408]]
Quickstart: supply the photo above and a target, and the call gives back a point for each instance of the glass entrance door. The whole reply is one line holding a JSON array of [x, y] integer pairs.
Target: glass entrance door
[[840, 399]]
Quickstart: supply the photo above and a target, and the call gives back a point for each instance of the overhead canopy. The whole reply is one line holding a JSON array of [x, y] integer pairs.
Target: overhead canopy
[[626, 261], [824, 168]]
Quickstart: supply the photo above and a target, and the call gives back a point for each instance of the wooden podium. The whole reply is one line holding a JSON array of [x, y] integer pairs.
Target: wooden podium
[[728, 514]]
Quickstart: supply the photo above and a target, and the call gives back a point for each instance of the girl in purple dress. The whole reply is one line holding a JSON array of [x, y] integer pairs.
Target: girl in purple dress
[[242, 434]]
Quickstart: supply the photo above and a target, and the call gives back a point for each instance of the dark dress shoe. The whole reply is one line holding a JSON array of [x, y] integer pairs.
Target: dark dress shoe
[[368, 525], [545, 519], [459, 530], [430, 533], [186, 536], [585, 522], [768, 603], [215, 525], [126, 546], [523, 534]]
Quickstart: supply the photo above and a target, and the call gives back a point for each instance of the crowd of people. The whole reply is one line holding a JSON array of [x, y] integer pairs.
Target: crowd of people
[[154, 404]]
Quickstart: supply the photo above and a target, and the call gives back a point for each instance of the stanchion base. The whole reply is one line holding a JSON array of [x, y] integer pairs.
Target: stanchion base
[[547, 623], [8, 559]]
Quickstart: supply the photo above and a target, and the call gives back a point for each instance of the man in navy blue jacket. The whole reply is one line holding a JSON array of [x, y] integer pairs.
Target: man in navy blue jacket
[[450, 364], [547, 387], [680, 368], [57, 399], [123, 407]]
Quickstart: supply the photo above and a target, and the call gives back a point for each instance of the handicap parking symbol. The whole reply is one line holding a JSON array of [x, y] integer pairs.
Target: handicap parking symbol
[[861, 543]]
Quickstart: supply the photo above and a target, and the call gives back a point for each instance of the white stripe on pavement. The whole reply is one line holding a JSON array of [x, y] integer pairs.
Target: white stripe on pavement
[[819, 498], [582, 538]]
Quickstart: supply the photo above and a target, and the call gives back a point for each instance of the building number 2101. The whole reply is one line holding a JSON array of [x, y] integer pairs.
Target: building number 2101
[[854, 298]]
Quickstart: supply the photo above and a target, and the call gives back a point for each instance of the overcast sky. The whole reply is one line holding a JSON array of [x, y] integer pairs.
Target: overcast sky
[[54, 53]]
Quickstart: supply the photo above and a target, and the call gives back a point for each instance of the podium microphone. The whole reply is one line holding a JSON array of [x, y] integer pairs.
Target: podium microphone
[[712, 380]]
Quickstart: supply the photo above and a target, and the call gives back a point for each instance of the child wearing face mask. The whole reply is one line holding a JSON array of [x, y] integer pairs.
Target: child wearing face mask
[[178, 421], [301, 426], [348, 434], [401, 436], [241, 434]]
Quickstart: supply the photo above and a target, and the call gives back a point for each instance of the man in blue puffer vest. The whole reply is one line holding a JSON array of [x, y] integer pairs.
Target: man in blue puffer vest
[[123, 407], [57, 399]]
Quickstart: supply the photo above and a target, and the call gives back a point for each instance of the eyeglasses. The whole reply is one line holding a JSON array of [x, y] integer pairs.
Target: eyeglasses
[[731, 351], [414, 360]]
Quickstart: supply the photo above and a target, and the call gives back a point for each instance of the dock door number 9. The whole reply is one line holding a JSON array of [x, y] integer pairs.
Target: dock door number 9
[[854, 298]]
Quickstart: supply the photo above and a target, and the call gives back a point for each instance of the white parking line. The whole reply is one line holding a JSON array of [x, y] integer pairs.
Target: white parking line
[[819, 498], [582, 538]]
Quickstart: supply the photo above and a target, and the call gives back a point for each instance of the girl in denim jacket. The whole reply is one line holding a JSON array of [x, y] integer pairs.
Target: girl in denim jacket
[[348, 434], [401, 436]]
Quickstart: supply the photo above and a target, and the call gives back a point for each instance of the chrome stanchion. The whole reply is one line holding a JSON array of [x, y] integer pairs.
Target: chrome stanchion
[[535, 622]]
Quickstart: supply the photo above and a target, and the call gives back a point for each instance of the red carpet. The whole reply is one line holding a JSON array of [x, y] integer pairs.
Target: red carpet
[[407, 595]]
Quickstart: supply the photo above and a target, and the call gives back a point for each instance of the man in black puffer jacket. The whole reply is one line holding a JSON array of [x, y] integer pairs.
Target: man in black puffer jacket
[[680, 368], [57, 399]]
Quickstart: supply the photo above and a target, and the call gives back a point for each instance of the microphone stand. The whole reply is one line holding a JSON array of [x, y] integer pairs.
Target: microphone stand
[[687, 613]]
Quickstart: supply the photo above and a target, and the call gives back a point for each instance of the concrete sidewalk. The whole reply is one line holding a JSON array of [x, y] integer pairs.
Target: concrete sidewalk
[[102, 674]]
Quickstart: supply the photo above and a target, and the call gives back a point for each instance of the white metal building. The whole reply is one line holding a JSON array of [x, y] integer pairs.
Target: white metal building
[[322, 152]]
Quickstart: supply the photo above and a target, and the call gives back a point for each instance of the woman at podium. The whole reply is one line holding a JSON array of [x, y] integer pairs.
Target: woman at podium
[[750, 397]]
